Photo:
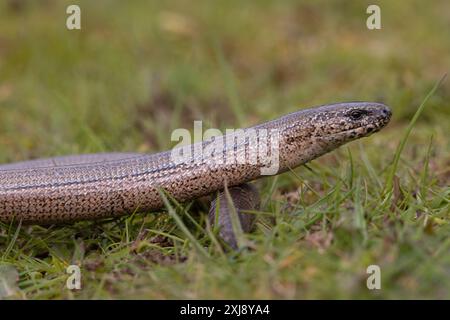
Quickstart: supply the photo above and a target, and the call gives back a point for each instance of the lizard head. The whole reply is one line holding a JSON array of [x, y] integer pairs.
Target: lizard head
[[312, 132], [348, 121]]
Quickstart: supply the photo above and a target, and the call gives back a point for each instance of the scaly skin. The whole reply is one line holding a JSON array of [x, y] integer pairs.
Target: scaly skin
[[73, 188]]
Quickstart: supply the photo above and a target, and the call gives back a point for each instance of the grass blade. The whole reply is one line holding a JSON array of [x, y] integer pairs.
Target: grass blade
[[181, 225], [401, 146]]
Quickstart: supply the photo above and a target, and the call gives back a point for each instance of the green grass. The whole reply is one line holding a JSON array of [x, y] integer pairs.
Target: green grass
[[138, 70]]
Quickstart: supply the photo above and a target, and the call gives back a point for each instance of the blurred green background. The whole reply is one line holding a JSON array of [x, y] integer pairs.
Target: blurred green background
[[139, 69]]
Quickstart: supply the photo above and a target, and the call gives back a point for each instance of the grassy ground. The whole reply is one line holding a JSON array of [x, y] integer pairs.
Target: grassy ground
[[138, 70]]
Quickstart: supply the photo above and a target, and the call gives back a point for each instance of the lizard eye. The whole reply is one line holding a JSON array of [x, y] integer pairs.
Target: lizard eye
[[357, 114]]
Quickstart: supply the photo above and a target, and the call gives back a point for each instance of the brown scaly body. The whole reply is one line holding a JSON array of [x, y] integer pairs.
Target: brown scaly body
[[105, 185]]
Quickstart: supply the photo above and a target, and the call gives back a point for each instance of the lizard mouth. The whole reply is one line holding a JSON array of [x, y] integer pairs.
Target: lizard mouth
[[368, 128], [360, 131]]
